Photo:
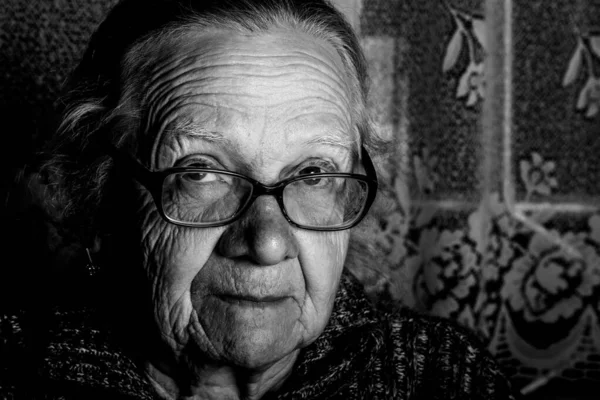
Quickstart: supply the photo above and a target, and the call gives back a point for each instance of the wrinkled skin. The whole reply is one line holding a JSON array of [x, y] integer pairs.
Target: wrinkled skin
[[247, 296]]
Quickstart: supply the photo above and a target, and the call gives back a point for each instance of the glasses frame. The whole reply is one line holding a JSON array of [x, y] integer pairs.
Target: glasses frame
[[153, 182]]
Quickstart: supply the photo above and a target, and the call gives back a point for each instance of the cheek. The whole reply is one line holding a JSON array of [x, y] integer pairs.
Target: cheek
[[322, 257], [172, 253], [172, 257]]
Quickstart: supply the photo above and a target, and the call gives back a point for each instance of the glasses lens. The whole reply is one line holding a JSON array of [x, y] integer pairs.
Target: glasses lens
[[203, 196], [325, 202]]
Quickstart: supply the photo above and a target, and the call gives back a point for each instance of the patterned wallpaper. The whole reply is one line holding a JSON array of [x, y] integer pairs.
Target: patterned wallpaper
[[493, 197]]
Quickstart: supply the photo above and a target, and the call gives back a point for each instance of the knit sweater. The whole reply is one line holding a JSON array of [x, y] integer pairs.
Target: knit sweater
[[364, 353]]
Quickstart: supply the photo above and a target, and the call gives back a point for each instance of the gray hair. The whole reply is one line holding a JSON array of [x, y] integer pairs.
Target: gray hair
[[93, 111]]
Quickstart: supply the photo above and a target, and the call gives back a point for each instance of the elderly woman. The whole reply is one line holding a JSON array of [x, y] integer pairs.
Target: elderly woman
[[218, 154]]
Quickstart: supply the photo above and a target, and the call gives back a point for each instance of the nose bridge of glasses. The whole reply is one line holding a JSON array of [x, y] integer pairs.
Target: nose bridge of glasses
[[260, 189], [276, 191]]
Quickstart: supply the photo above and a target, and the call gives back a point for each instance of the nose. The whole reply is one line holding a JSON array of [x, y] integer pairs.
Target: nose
[[262, 235]]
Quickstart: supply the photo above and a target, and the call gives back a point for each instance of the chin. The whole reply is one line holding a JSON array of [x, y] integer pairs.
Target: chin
[[254, 349], [246, 334]]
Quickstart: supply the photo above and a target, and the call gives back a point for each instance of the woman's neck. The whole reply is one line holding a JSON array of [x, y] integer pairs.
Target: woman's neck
[[217, 382]]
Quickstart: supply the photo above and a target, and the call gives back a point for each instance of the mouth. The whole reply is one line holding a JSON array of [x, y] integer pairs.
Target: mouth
[[253, 301]]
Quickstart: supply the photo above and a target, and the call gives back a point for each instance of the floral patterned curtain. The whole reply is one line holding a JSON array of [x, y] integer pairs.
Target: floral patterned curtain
[[495, 222]]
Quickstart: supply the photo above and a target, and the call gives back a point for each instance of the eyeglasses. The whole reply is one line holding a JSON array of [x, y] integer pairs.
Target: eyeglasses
[[207, 197]]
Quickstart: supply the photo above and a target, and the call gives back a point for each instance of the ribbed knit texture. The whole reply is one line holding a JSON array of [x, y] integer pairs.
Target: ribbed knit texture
[[362, 354]]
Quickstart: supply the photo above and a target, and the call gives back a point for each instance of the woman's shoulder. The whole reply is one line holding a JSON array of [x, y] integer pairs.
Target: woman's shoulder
[[12, 351], [433, 330], [443, 357], [66, 354]]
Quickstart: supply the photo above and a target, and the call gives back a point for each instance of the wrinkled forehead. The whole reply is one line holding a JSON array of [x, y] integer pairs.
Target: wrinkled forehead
[[163, 47], [174, 68]]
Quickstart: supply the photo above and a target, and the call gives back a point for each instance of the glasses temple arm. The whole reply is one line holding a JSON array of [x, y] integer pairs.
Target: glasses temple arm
[[368, 164]]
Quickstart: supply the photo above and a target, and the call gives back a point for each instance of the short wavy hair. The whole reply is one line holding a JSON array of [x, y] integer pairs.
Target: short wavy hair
[[92, 104]]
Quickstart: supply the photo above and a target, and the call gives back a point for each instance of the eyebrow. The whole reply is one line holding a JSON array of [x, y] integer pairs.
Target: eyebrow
[[193, 130], [197, 131], [337, 140]]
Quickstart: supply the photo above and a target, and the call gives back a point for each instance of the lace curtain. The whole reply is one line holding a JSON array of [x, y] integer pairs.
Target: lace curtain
[[495, 223]]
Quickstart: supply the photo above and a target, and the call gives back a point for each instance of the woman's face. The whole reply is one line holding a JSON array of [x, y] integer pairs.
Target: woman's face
[[266, 106]]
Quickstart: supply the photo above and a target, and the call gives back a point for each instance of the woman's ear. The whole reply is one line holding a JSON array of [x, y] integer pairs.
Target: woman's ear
[[96, 244]]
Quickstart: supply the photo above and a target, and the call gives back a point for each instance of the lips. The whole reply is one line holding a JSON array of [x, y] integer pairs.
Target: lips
[[249, 300]]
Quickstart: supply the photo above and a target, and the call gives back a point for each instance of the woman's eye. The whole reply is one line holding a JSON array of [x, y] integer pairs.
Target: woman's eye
[[313, 169], [317, 181], [200, 177]]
